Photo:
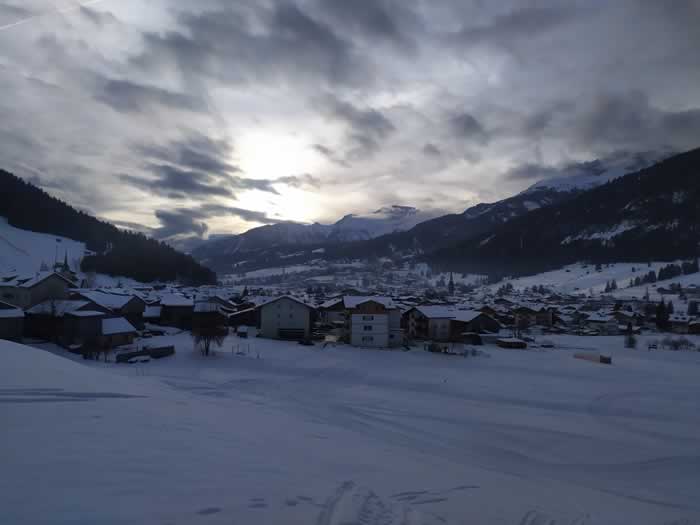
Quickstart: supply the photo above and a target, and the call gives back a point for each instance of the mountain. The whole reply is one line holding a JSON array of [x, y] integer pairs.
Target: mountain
[[261, 243], [648, 215], [402, 232], [115, 252]]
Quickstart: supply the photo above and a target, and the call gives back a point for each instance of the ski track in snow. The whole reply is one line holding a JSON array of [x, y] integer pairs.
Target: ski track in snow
[[532, 427]]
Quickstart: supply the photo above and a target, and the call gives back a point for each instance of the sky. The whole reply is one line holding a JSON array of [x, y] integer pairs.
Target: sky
[[185, 119]]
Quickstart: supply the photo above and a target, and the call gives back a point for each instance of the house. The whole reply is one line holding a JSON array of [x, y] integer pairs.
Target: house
[[27, 291], [128, 306], [473, 321], [373, 321], [11, 322], [603, 324], [116, 331], [151, 314], [286, 317], [679, 323], [47, 320], [332, 311], [533, 314], [244, 317], [82, 327], [446, 322], [176, 310]]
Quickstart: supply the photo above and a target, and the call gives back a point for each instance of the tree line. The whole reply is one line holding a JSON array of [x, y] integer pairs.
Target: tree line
[[117, 252]]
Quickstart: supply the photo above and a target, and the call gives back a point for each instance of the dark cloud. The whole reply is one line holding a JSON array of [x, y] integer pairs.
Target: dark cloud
[[367, 128], [99, 18], [129, 97], [218, 210], [241, 43], [330, 154], [629, 121], [378, 20], [524, 23], [466, 126], [300, 181], [196, 152], [431, 150], [176, 183]]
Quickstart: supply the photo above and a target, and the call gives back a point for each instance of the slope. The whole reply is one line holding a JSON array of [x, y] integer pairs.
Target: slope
[[649, 215], [117, 252]]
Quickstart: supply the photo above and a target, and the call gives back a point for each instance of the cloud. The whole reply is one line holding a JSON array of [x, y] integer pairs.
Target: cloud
[[305, 180], [196, 152], [505, 30], [466, 126], [219, 210], [179, 223], [176, 183], [431, 150], [330, 154], [366, 128], [125, 96], [282, 41], [629, 121]]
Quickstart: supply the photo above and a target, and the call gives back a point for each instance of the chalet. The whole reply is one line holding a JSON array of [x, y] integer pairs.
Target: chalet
[[128, 306], [27, 291], [151, 313], [286, 317], [244, 317], [603, 324], [373, 321], [332, 311], [176, 310], [429, 322], [11, 322], [533, 314], [47, 320]]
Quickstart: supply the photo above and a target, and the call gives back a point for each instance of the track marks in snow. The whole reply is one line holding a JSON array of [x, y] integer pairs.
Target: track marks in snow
[[354, 505], [52, 395], [536, 517]]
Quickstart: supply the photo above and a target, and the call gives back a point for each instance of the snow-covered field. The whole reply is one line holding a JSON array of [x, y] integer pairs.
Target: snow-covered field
[[24, 251], [582, 278], [306, 435]]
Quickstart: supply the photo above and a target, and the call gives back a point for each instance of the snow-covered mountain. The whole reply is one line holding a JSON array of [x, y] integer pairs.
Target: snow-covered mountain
[[582, 176], [220, 250]]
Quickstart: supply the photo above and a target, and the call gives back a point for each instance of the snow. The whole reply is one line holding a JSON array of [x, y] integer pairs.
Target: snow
[[581, 278], [111, 301], [339, 435], [11, 313], [57, 307], [176, 300], [117, 325], [25, 251], [604, 235]]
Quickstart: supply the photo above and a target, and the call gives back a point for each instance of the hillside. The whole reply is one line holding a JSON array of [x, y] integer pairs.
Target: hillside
[[22, 250], [116, 252], [649, 215]]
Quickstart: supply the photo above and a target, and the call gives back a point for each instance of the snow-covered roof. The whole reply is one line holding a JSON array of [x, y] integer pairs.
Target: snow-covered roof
[[437, 311], [175, 300], [117, 325], [28, 281], [8, 311], [274, 300], [353, 301], [57, 307], [467, 316], [86, 313], [331, 302], [597, 317], [111, 301]]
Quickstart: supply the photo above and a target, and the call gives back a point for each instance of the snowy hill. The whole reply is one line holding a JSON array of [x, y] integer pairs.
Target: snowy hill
[[368, 436], [25, 251]]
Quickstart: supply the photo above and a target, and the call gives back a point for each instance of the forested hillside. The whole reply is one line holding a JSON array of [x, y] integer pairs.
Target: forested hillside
[[117, 252]]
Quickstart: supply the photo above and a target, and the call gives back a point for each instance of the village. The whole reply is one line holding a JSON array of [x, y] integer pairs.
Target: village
[[60, 307]]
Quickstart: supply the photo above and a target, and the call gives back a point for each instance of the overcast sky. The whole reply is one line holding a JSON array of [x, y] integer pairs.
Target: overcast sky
[[191, 118]]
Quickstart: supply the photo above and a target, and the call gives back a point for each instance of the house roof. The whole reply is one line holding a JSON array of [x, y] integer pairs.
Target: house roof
[[110, 301], [285, 297], [59, 307], [86, 313], [353, 301], [29, 281], [8, 311], [117, 325], [172, 299]]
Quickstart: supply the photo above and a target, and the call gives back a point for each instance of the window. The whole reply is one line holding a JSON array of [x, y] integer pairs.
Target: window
[[368, 318], [367, 339], [367, 328]]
